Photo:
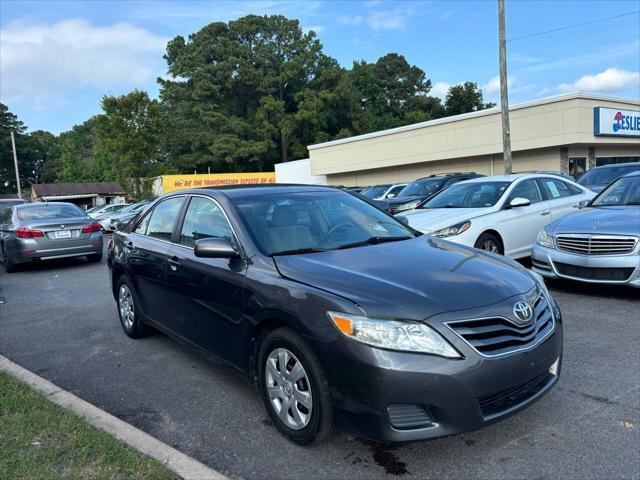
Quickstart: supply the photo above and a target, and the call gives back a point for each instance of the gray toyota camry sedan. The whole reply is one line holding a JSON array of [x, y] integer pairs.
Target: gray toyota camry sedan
[[599, 244], [43, 231], [338, 310]]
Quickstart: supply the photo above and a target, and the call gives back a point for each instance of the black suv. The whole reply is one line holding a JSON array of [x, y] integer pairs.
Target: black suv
[[424, 188], [598, 178]]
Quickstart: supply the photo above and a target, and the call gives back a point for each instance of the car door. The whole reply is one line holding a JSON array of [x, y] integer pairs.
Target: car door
[[146, 250], [206, 293], [520, 225], [561, 195]]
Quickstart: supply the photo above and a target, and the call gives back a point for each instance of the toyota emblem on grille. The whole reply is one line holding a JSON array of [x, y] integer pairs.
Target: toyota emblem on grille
[[523, 312]]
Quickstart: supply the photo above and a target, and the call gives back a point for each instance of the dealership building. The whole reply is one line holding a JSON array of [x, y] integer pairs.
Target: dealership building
[[570, 133]]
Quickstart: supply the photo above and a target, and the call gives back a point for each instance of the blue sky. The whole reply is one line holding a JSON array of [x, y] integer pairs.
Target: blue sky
[[57, 58]]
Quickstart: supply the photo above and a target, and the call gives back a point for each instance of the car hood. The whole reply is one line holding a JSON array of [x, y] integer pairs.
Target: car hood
[[623, 220], [431, 219], [412, 279]]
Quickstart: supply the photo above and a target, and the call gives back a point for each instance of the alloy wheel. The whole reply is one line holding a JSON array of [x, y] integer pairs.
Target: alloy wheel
[[126, 305], [490, 246], [288, 388]]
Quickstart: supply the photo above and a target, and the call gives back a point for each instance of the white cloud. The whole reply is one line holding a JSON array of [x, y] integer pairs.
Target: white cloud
[[45, 62], [607, 80], [350, 19], [440, 89], [386, 20], [493, 85]]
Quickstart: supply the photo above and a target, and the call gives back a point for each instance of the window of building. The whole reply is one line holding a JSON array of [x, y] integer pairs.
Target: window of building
[[577, 166], [611, 160]]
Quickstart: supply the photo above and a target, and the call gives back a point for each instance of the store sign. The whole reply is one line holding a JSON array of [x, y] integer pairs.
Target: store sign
[[614, 122], [171, 183]]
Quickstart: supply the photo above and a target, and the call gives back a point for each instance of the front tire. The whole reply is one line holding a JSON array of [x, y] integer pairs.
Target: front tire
[[489, 243], [294, 388], [9, 266], [129, 313]]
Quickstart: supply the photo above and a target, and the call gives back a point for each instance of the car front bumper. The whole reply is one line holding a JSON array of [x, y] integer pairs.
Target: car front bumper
[[22, 250], [611, 269], [375, 391]]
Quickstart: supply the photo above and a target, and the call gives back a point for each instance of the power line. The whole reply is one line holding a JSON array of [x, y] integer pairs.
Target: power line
[[635, 12]]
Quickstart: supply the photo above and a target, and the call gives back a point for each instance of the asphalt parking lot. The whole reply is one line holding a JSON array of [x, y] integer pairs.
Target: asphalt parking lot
[[59, 320]]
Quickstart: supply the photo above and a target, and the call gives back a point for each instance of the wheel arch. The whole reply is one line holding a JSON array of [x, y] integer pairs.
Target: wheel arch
[[496, 234]]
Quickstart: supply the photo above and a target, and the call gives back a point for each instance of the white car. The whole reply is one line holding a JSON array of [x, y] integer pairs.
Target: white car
[[380, 192], [501, 214], [103, 210]]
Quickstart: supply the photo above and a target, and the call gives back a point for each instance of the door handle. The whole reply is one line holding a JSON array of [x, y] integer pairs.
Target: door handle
[[546, 212], [174, 263]]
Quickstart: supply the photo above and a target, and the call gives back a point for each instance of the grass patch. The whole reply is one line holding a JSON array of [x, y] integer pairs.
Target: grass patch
[[40, 440]]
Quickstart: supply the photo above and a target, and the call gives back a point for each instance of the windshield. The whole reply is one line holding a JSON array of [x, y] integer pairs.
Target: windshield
[[604, 176], [421, 187], [468, 195], [375, 191], [40, 212], [625, 191], [300, 222]]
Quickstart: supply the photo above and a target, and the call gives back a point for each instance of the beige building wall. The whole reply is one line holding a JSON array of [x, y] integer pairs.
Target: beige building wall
[[472, 142]]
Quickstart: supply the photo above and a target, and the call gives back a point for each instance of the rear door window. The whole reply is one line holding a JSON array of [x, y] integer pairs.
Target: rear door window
[[162, 220], [555, 189]]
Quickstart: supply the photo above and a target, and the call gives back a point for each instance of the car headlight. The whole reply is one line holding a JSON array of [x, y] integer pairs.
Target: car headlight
[[540, 283], [398, 335], [545, 239], [456, 229], [408, 206]]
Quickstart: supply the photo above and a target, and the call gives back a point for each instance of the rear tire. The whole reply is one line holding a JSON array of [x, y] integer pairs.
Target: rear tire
[[94, 258], [129, 313], [299, 385], [9, 266], [489, 243]]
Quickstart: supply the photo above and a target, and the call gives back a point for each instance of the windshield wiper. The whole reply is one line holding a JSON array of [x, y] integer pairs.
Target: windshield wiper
[[296, 251], [373, 241]]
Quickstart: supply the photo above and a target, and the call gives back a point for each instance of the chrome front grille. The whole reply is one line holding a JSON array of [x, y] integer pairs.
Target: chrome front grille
[[596, 244], [496, 336]]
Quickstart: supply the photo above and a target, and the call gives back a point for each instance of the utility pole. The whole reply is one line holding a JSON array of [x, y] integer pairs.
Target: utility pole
[[504, 96], [15, 162]]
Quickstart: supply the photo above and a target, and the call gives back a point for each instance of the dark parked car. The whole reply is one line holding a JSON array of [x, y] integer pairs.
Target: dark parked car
[[43, 231], [422, 189], [333, 305], [598, 178]]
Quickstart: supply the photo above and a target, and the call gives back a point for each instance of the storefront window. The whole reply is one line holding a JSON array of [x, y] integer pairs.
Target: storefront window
[[610, 160], [577, 166]]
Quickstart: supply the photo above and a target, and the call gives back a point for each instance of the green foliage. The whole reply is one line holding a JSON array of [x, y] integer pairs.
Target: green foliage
[[465, 97]]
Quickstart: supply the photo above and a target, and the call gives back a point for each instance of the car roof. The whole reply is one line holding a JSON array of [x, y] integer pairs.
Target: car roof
[[635, 173], [42, 204], [238, 191]]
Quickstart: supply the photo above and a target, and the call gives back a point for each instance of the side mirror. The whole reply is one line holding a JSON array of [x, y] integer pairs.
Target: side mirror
[[519, 202], [391, 195], [215, 247], [403, 220], [581, 204]]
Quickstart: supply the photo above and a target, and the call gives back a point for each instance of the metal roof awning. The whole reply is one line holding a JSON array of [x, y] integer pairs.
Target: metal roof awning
[[69, 197]]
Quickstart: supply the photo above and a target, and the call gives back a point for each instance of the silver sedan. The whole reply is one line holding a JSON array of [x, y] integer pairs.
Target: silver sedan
[[599, 244], [42, 231]]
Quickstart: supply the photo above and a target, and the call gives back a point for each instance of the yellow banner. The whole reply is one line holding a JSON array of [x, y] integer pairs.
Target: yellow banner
[[171, 183]]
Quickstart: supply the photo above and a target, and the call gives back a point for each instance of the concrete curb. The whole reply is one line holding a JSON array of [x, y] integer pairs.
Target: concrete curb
[[183, 465]]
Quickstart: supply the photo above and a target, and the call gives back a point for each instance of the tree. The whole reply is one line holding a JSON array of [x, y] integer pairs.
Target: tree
[[392, 93], [244, 94], [27, 153], [465, 97], [127, 135]]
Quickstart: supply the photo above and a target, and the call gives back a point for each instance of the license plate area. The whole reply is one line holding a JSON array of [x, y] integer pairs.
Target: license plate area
[[62, 234]]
